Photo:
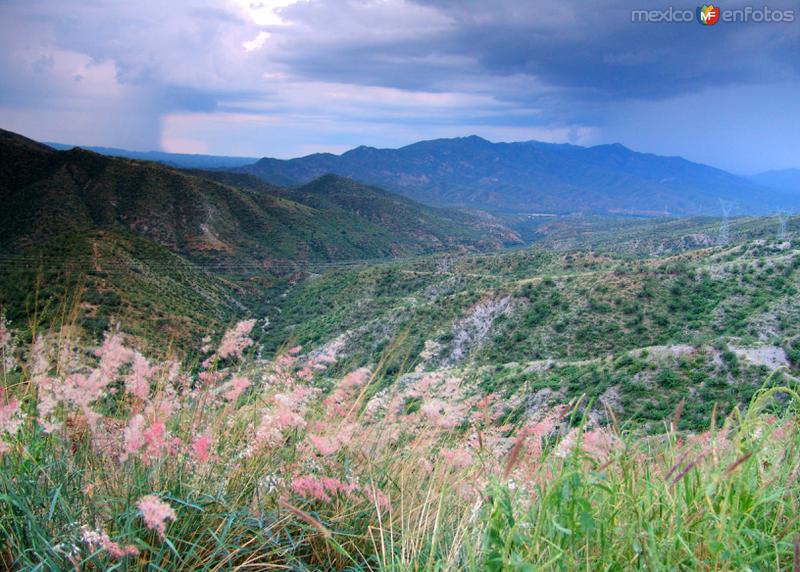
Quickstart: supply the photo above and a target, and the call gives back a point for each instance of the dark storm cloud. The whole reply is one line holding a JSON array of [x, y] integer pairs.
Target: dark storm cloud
[[592, 50], [286, 77]]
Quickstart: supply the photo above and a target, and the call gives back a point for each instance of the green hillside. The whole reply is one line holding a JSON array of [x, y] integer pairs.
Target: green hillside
[[644, 331], [211, 250]]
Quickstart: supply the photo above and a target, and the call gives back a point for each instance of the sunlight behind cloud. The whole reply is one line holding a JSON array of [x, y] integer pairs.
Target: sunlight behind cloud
[[264, 12], [256, 42]]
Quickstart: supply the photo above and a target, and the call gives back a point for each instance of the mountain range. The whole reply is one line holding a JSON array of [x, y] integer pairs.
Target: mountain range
[[180, 160], [538, 177], [188, 250], [162, 242], [521, 177], [234, 218]]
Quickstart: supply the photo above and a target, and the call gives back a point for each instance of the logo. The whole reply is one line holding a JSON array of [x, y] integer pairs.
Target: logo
[[708, 15]]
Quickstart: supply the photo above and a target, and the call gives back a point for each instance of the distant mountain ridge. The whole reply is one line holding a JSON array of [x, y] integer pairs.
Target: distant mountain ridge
[[180, 160], [784, 180], [535, 177]]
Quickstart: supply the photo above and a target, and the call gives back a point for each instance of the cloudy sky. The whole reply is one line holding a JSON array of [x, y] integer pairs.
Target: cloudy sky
[[285, 78]]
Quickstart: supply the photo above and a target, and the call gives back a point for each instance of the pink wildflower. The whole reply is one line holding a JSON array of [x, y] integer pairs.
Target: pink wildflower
[[210, 378], [234, 388], [283, 370], [113, 355], [486, 400], [457, 458], [155, 513], [119, 552], [150, 442], [310, 488], [236, 340], [287, 412], [325, 445], [567, 444], [599, 444], [82, 390], [784, 430], [483, 406], [355, 379], [424, 385], [137, 381], [133, 436], [98, 539], [163, 408], [155, 435], [425, 465], [200, 448], [543, 428], [328, 445], [440, 414], [377, 498], [51, 393], [39, 359], [11, 417], [337, 401], [321, 489]]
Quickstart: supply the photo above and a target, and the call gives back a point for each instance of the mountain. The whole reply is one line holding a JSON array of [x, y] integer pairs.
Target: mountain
[[180, 160], [534, 177], [785, 180], [164, 243], [47, 192], [395, 215]]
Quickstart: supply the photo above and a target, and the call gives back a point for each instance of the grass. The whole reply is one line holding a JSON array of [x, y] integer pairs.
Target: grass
[[722, 500], [383, 455], [305, 471]]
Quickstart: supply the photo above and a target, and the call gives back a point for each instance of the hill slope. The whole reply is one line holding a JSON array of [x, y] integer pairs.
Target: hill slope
[[47, 192], [533, 176], [638, 331], [191, 236]]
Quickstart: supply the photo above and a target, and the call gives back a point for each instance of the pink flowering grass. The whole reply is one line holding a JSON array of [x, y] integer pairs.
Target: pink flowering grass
[[140, 463], [155, 513]]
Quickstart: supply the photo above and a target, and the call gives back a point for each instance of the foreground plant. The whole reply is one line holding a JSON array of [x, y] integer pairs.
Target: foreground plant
[[111, 461]]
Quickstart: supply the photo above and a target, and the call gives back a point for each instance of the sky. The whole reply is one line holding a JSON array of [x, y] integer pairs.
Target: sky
[[286, 78]]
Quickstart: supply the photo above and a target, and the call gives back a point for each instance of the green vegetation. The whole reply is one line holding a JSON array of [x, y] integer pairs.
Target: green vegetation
[[620, 395], [643, 332], [158, 248], [132, 466]]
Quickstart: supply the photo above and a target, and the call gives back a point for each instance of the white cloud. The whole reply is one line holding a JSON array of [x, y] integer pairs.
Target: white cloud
[[255, 43], [264, 12]]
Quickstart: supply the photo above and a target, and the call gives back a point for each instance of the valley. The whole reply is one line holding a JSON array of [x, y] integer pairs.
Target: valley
[[399, 286], [568, 323], [379, 356]]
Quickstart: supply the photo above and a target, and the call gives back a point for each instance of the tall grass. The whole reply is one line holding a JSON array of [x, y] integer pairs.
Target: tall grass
[[301, 472], [723, 500]]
